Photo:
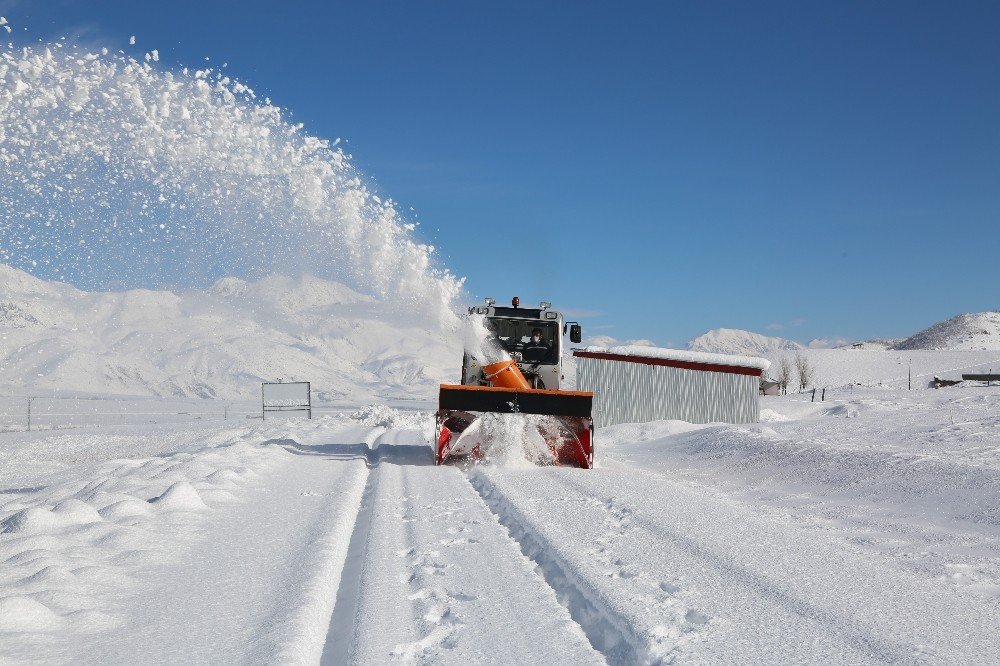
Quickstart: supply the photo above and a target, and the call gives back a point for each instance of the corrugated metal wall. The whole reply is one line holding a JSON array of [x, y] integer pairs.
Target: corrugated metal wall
[[626, 392]]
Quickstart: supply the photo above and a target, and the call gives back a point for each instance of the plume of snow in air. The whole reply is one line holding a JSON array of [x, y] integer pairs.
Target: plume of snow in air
[[481, 343], [115, 173]]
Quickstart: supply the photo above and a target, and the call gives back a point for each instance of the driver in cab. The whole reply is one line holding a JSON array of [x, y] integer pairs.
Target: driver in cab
[[536, 349]]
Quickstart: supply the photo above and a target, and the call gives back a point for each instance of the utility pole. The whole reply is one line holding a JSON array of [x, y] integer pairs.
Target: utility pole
[[909, 377], [29, 413]]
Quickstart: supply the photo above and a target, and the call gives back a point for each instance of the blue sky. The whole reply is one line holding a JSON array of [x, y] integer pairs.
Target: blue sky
[[658, 168]]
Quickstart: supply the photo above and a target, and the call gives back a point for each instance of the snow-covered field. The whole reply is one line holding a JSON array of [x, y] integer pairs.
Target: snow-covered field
[[877, 368], [857, 530]]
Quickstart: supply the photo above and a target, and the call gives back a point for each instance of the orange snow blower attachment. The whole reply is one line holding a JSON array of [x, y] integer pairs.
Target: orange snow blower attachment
[[505, 374], [568, 435]]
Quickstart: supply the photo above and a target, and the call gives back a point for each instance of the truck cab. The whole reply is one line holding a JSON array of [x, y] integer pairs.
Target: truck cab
[[513, 327]]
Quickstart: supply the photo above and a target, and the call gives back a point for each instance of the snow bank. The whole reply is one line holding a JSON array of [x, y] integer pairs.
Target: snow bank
[[76, 545], [686, 356], [21, 614], [181, 496], [64, 514], [378, 415]]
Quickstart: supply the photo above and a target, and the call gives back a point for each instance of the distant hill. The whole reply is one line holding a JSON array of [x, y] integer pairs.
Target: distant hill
[[977, 331], [972, 331], [966, 343], [741, 343], [881, 343], [215, 343]]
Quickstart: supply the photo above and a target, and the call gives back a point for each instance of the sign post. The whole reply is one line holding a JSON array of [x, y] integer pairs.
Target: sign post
[[291, 399]]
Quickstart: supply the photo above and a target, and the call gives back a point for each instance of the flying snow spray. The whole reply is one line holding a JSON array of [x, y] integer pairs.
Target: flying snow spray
[[116, 173]]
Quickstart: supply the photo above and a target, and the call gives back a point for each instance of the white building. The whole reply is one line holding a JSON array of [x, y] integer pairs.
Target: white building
[[637, 384]]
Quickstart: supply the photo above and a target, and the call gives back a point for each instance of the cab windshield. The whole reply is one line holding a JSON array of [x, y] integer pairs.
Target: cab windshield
[[515, 336]]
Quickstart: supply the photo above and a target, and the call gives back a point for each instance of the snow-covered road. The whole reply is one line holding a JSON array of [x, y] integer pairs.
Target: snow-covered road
[[437, 577], [657, 570], [337, 541]]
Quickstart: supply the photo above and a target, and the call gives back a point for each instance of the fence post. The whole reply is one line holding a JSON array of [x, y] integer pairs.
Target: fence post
[[814, 396], [29, 414], [823, 398]]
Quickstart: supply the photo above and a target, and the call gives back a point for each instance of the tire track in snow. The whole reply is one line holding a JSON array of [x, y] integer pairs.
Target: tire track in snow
[[339, 643], [645, 596], [437, 608], [867, 604], [350, 624], [301, 627], [340, 634], [608, 632], [437, 580], [625, 519]]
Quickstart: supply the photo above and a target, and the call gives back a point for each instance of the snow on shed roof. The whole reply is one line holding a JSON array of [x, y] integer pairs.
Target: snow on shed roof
[[684, 356]]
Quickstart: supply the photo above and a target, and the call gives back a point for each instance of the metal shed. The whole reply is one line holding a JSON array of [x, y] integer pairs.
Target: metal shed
[[637, 384]]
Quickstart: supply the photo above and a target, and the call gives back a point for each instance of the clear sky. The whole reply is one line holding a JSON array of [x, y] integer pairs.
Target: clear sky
[[657, 168]]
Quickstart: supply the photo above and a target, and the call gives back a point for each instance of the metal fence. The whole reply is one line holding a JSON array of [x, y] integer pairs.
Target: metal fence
[[635, 392], [24, 412]]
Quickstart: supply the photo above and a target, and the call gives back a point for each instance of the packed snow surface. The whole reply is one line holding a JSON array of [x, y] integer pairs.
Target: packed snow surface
[[861, 529], [117, 174], [682, 355]]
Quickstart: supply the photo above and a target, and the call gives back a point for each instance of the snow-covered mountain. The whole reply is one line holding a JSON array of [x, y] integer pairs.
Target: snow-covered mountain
[[952, 347], [739, 342], [220, 342], [878, 343], [978, 331], [971, 331]]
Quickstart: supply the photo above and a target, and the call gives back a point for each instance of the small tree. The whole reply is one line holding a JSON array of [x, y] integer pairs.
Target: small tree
[[805, 370], [784, 374]]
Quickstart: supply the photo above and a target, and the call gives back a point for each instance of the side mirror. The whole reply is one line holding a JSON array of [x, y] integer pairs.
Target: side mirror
[[575, 333]]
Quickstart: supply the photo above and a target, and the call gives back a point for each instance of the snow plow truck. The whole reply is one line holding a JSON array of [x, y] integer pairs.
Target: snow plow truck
[[519, 371]]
